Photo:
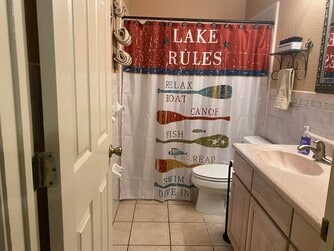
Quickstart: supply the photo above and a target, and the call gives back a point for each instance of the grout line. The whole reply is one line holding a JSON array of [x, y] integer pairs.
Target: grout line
[[170, 236], [133, 216]]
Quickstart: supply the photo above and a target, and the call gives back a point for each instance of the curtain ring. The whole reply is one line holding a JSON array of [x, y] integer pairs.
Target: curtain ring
[[241, 26], [214, 25], [199, 24], [170, 24], [256, 26], [184, 24], [226, 26], [148, 22]]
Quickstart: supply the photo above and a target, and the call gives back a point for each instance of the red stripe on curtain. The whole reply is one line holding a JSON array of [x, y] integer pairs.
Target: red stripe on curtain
[[192, 46]]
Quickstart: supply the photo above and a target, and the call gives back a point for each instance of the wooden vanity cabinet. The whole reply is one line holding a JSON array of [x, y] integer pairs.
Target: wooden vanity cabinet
[[259, 217], [238, 219]]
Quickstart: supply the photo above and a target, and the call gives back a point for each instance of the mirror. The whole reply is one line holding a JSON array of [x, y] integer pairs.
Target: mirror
[[325, 75]]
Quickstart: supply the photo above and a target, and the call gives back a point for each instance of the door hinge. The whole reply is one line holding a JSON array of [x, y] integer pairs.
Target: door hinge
[[324, 229], [44, 170]]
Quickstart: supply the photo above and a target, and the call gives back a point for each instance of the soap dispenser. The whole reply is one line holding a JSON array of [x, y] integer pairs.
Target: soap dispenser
[[305, 140]]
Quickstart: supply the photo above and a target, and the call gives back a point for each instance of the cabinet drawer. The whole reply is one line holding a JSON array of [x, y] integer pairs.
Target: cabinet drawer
[[303, 235], [243, 170], [279, 210]]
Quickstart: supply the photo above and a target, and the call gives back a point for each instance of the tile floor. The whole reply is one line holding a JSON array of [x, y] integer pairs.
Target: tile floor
[[166, 226]]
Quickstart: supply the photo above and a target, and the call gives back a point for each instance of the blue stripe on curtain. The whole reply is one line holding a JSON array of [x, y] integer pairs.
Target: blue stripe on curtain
[[195, 72]]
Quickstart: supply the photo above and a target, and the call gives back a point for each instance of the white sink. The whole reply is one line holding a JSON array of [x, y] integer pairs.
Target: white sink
[[290, 162]]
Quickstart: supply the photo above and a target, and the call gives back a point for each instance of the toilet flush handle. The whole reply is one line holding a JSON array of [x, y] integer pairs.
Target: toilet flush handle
[[116, 150]]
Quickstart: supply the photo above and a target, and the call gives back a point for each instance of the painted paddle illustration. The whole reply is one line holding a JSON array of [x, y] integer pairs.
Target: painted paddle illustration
[[164, 165], [217, 140], [166, 117], [219, 91]]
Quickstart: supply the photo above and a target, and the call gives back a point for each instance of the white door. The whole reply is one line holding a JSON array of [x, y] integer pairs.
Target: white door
[[75, 55], [18, 223]]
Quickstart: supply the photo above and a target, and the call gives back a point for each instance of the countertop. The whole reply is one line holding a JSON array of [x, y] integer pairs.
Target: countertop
[[305, 193]]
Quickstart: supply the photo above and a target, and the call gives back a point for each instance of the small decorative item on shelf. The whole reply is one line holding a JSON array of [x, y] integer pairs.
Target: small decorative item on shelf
[[291, 48], [291, 43]]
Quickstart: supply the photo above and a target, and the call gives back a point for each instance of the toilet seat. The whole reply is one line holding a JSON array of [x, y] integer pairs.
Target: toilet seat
[[211, 172]]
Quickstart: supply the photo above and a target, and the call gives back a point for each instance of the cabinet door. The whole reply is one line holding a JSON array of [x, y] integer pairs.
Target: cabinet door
[[238, 214], [263, 234]]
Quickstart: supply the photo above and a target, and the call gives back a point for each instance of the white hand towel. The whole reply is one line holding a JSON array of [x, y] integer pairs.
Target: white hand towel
[[284, 88]]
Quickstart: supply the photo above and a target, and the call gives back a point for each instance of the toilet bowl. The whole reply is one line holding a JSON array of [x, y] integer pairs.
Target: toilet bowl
[[212, 181]]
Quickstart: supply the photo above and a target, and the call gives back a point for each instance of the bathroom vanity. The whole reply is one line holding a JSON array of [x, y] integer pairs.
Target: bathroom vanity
[[277, 199]]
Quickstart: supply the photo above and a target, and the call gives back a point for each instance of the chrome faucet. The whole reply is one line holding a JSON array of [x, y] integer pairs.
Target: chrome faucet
[[319, 151]]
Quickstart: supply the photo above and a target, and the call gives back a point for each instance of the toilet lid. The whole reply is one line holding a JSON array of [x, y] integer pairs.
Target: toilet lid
[[211, 172]]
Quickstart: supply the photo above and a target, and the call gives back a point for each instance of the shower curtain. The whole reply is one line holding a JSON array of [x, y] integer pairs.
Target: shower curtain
[[191, 91]]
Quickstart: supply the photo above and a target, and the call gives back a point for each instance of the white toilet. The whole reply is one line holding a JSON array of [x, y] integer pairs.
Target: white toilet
[[211, 181]]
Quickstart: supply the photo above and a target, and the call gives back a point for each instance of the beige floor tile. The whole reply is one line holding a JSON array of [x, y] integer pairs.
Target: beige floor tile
[[125, 212], [191, 248], [129, 201], [150, 233], [216, 231], [184, 213], [151, 202], [119, 248], [223, 248], [149, 248], [150, 212], [181, 202], [189, 234], [214, 218], [121, 233]]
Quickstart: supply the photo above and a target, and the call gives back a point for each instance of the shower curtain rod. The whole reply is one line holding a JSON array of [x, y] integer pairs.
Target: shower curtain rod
[[200, 20]]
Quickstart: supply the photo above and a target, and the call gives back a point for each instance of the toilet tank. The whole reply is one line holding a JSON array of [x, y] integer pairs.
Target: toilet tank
[[255, 140]]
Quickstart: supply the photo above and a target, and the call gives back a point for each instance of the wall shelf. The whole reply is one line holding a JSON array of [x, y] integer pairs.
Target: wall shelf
[[296, 59]]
